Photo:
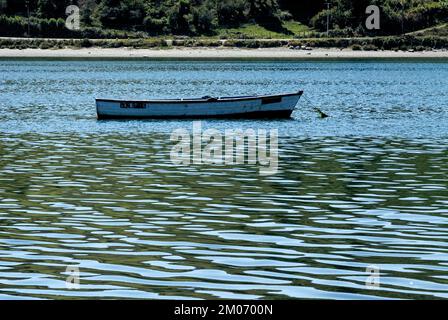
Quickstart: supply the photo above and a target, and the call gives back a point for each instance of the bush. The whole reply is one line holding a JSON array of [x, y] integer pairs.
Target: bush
[[18, 27], [155, 26], [370, 47], [272, 44], [45, 45], [85, 43], [210, 43]]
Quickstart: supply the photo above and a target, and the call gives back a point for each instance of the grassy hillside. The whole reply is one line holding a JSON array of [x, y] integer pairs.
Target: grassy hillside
[[411, 24], [254, 31], [216, 18], [438, 31]]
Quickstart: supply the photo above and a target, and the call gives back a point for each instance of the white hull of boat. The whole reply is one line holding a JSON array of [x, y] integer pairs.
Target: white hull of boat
[[275, 106]]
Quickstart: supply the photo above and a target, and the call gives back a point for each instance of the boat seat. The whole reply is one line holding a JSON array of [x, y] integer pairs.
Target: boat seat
[[208, 98]]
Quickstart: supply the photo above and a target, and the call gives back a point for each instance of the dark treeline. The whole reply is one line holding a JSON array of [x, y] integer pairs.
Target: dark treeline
[[112, 18]]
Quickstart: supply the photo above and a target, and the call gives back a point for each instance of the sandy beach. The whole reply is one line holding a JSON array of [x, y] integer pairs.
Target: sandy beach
[[217, 53]]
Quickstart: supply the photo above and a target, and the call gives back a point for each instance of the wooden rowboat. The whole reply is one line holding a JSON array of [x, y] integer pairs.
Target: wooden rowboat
[[269, 106]]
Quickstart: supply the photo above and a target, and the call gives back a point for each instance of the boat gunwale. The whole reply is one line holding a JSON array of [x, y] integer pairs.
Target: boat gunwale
[[208, 100]]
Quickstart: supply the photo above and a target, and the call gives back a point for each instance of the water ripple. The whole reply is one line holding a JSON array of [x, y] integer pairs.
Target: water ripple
[[337, 206]]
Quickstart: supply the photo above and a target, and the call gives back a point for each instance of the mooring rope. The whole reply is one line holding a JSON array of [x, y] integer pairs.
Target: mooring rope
[[322, 114]]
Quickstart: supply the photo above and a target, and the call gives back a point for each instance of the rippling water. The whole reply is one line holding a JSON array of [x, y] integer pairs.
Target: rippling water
[[366, 187]]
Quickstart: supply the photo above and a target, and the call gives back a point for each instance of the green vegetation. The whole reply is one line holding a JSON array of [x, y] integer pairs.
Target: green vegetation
[[397, 16], [396, 43], [238, 22], [255, 31], [243, 18], [440, 31]]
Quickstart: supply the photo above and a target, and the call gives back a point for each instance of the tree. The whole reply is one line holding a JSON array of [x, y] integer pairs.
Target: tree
[[266, 13], [52, 8], [303, 10], [180, 18], [119, 14], [194, 17], [204, 19], [87, 9], [232, 13]]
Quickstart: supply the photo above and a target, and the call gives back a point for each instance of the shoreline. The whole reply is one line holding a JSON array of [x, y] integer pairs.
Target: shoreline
[[219, 53]]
